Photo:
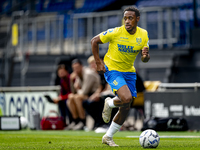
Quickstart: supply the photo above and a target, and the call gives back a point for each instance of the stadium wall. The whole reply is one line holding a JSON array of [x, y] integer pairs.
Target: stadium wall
[[176, 104], [21, 101]]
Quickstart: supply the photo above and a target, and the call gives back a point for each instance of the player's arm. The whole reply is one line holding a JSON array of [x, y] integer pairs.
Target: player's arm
[[145, 51], [95, 50], [145, 54]]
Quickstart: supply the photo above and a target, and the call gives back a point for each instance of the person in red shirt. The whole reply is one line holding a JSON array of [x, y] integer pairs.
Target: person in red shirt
[[64, 76], [64, 82]]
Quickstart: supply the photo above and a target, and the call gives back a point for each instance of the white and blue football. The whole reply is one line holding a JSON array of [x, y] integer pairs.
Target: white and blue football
[[23, 122], [149, 139]]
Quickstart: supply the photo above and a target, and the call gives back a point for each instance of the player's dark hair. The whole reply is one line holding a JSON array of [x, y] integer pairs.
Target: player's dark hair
[[76, 61], [132, 8]]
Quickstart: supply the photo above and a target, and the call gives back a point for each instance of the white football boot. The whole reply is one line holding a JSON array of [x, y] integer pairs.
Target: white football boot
[[106, 114], [109, 141]]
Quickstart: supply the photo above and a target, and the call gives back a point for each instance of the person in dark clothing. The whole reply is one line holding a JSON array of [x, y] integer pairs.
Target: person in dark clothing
[[64, 77]]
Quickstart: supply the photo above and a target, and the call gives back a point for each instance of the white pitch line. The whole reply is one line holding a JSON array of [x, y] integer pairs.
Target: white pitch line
[[166, 136]]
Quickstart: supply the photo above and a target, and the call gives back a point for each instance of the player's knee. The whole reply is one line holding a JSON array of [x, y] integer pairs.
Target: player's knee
[[127, 101]]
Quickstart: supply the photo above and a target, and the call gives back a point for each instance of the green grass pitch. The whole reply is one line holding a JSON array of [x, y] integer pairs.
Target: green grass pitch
[[61, 140]]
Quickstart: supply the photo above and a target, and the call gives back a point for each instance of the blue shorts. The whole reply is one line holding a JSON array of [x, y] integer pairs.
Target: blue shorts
[[117, 79]]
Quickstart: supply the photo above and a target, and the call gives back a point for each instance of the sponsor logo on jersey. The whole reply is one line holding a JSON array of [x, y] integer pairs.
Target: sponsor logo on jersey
[[105, 33], [127, 49], [124, 38], [110, 30]]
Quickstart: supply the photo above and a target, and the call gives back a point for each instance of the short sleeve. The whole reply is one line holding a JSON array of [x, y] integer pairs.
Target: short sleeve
[[146, 44], [106, 36]]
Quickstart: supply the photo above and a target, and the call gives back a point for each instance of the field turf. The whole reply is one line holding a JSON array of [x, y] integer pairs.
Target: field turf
[[61, 140]]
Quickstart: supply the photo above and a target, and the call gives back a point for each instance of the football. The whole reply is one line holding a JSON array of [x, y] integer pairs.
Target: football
[[23, 122], [149, 139]]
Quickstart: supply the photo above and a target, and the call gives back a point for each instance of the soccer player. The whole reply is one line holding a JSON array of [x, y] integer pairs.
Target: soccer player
[[125, 43]]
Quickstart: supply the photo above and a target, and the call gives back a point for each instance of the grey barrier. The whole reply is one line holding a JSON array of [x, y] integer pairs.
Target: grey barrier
[[174, 103]]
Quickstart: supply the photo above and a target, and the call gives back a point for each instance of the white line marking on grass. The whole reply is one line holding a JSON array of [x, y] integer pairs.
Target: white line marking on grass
[[166, 136]]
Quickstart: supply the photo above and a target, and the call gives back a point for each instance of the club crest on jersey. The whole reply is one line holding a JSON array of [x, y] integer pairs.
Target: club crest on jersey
[[139, 41]]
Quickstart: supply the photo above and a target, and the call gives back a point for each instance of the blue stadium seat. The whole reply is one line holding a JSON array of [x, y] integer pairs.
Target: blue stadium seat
[[5, 5], [68, 26], [148, 3], [93, 5], [39, 5], [184, 6], [60, 6]]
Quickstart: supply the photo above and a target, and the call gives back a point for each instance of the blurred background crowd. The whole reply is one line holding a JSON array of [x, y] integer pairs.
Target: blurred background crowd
[[47, 43]]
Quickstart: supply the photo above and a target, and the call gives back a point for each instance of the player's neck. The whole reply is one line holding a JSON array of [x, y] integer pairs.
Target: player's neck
[[132, 31]]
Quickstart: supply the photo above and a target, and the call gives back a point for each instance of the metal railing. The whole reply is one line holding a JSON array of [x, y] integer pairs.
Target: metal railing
[[163, 86], [95, 23], [45, 35], [164, 25], [37, 35], [159, 22], [30, 88]]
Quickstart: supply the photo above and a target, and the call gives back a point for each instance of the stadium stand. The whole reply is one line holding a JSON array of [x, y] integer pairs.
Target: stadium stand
[[179, 3], [186, 68], [167, 63], [37, 71], [158, 67], [53, 6], [91, 5]]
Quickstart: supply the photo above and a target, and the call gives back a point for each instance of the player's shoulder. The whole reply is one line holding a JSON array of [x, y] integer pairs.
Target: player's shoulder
[[111, 32], [114, 30], [119, 29], [142, 30]]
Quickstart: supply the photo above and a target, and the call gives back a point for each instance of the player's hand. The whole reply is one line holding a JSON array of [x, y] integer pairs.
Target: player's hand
[[145, 54], [101, 67]]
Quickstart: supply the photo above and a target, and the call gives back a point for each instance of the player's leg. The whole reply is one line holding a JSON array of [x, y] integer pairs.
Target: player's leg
[[125, 93], [116, 81], [124, 97], [110, 103], [124, 101], [124, 106]]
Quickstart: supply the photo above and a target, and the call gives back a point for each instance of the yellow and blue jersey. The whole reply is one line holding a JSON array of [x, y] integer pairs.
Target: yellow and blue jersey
[[123, 47]]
